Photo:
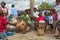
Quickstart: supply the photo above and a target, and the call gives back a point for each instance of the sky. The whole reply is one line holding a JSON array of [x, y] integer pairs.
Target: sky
[[24, 4]]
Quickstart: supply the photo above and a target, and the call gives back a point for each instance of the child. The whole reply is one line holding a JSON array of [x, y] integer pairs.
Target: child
[[47, 16], [47, 20], [41, 25], [3, 28], [51, 21], [41, 18]]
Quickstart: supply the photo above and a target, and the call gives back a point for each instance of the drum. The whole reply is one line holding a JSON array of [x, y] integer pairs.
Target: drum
[[41, 25], [40, 32], [28, 29], [22, 26], [41, 28]]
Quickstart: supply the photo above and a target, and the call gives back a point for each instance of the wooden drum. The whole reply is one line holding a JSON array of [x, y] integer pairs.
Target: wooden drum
[[41, 28]]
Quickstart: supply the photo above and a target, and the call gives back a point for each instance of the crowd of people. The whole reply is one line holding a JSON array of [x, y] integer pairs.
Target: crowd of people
[[27, 20]]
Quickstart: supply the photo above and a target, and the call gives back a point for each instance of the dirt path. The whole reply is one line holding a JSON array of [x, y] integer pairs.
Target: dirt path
[[32, 36]]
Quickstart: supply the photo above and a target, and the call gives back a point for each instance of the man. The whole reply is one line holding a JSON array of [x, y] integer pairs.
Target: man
[[4, 9], [14, 11], [35, 15], [57, 8]]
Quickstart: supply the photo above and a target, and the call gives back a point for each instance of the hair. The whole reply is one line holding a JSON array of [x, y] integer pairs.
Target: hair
[[3, 3], [45, 13], [13, 5], [26, 11], [35, 8], [57, 0], [40, 13]]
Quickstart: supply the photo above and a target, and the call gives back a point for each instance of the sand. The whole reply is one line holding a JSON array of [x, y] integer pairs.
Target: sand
[[32, 35]]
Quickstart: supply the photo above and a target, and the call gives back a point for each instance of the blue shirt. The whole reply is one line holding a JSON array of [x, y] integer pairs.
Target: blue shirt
[[14, 12], [47, 18]]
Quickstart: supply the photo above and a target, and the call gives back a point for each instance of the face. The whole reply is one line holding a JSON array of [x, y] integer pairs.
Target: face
[[2, 4], [51, 12], [57, 2], [46, 13], [24, 12], [40, 14], [28, 11]]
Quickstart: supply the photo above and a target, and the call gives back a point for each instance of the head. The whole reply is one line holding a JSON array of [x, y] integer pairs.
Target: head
[[40, 13], [51, 13], [13, 5], [1, 12], [53, 10], [58, 2], [35, 9], [3, 4], [46, 13], [25, 12], [29, 11]]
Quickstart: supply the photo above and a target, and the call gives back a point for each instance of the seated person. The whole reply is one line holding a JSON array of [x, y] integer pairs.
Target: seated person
[[26, 17], [41, 18]]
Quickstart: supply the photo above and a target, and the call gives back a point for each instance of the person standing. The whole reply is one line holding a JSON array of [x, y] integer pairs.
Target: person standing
[[35, 16], [14, 11], [4, 9], [57, 8], [3, 28]]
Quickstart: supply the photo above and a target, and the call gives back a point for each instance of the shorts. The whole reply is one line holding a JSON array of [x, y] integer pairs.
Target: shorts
[[51, 25], [3, 36]]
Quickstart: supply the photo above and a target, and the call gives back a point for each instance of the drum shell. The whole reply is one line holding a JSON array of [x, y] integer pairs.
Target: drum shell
[[40, 32], [41, 25]]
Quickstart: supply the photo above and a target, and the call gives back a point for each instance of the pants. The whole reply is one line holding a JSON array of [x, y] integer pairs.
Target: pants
[[3, 35], [58, 25]]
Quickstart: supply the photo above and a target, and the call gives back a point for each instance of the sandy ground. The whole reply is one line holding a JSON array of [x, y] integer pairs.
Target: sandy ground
[[32, 36]]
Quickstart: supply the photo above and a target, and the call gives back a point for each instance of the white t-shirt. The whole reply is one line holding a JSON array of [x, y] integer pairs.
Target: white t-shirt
[[35, 14], [50, 19], [57, 8]]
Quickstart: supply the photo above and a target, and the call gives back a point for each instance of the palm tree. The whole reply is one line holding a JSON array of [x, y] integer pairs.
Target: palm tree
[[44, 5]]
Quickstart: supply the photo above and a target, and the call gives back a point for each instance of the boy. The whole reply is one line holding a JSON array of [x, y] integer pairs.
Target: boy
[[3, 28], [41, 18], [51, 21]]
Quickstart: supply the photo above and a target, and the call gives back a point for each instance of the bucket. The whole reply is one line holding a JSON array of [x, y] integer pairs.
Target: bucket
[[10, 33]]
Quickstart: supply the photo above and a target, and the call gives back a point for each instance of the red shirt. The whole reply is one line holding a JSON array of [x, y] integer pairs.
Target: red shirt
[[56, 16], [41, 18], [3, 23]]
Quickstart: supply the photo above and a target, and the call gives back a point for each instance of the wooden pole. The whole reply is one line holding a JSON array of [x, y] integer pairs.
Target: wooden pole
[[31, 5]]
